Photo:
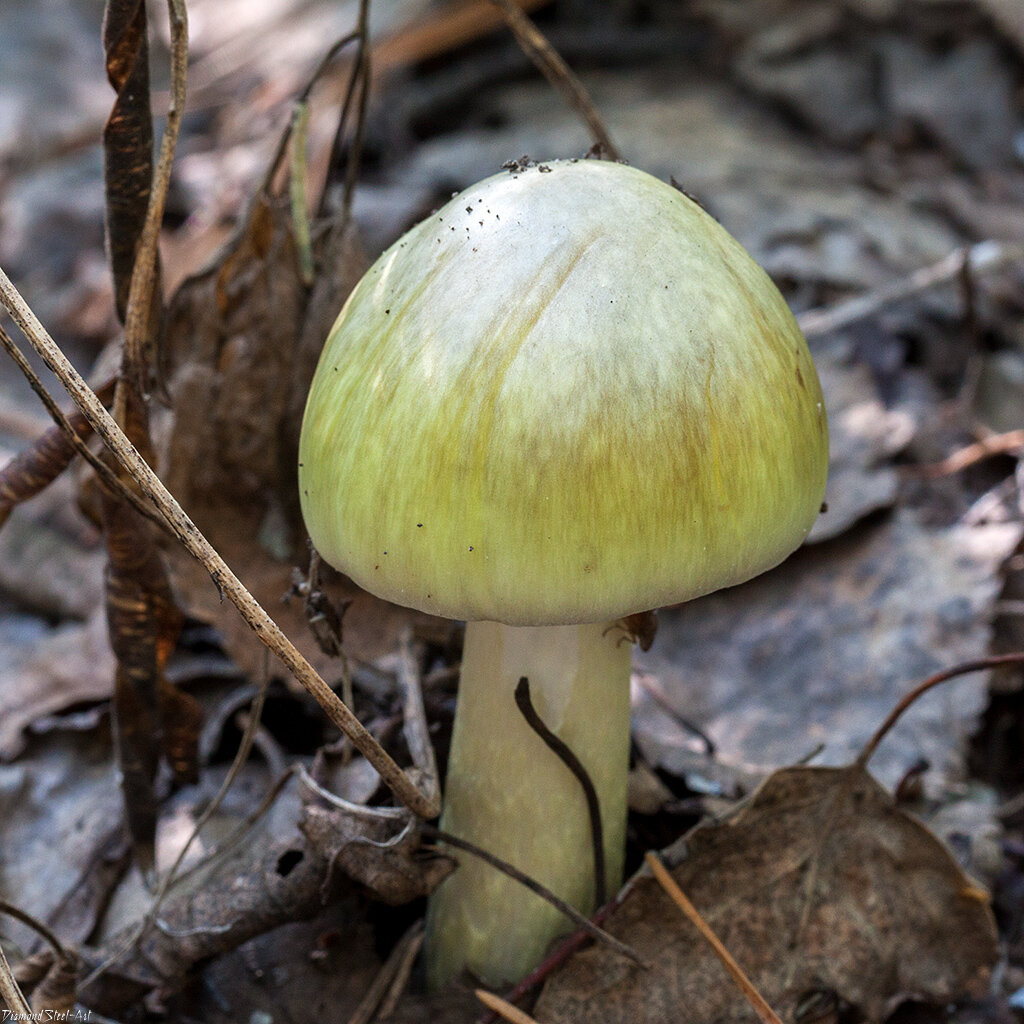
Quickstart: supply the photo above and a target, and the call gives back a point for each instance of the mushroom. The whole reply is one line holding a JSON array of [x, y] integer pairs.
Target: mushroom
[[566, 397]]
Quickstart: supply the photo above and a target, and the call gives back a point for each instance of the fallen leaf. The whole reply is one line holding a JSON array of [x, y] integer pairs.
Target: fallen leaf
[[816, 883], [820, 649], [863, 438], [50, 670]]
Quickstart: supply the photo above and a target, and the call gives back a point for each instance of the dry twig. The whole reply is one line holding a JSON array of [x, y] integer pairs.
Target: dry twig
[[10, 992], [1017, 658], [745, 985], [996, 444], [190, 536], [556, 71], [503, 1009], [382, 985], [981, 258]]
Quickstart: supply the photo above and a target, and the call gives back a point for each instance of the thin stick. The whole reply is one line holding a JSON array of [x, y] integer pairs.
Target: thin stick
[[107, 477], [503, 1009], [410, 944], [37, 926], [361, 78], [414, 725], [745, 985], [169, 879], [226, 581], [10, 992], [382, 983], [567, 756], [557, 72], [535, 887], [563, 952], [1017, 658], [982, 257], [996, 444]]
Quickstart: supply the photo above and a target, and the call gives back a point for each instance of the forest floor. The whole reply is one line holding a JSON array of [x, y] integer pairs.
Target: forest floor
[[870, 155]]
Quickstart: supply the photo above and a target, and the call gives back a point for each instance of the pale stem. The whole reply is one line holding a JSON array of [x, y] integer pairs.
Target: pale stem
[[507, 792]]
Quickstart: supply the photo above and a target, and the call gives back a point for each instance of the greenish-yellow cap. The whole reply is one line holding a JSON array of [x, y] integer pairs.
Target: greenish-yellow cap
[[568, 396]]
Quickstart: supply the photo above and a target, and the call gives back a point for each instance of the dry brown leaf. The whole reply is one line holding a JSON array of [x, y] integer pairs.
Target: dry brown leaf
[[821, 648], [69, 665], [127, 137], [817, 883], [243, 339]]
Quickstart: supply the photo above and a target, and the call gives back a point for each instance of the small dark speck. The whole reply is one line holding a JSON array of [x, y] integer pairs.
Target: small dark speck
[[481, 223], [479, 200], [306, 493], [453, 227], [419, 524], [301, 464], [469, 209], [474, 248], [439, 241], [385, 552], [387, 311], [544, 169], [470, 547], [824, 507], [376, 567], [497, 216]]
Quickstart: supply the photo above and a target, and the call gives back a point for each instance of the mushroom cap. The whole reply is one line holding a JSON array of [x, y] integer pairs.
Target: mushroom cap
[[567, 396]]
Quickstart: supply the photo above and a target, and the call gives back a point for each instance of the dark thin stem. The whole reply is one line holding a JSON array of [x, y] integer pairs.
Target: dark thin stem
[[557, 72], [1017, 658], [107, 477], [573, 763], [559, 956], [360, 77], [534, 886], [300, 100], [37, 926]]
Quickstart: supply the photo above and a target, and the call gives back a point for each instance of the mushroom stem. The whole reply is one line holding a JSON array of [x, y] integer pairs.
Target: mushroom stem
[[509, 793]]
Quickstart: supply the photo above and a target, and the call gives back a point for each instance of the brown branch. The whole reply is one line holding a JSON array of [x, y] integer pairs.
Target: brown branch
[[1017, 658], [557, 72], [503, 1008], [996, 444], [981, 258], [10, 992], [745, 985], [197, 545]]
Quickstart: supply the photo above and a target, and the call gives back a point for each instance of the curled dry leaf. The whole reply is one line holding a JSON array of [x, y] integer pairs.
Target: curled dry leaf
[[38, 465], [243, 338], [153, 718], [818, 882], [127, 138], [377, 853]]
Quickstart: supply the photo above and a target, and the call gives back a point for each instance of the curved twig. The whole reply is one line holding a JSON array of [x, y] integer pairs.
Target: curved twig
[[994, 661]]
